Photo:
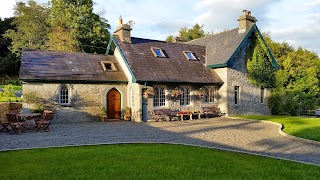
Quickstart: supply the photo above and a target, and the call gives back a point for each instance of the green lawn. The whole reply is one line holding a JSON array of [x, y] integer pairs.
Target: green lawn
[[304, 127], [17, 88], [12, 99], [146, 161]]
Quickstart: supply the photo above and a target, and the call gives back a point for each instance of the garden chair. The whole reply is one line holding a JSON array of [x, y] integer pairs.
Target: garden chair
[[43, 123], [5, 125], [16, 123]]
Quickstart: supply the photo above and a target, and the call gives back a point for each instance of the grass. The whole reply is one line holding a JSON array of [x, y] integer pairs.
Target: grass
[[12, 99], [305, 127], [17, 88], [146, 161]]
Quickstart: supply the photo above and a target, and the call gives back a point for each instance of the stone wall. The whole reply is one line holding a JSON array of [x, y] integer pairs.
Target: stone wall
[[86, 99], [5, 107], [250, 97]]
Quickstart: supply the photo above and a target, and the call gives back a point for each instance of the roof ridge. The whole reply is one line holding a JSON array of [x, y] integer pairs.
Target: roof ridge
[[47, 50], [211, 35]]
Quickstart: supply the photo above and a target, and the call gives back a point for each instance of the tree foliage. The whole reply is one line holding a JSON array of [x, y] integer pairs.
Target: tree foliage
[[260, 69], [83, 29], [190, 33], [31, 27], [297, 87], [9, 63]]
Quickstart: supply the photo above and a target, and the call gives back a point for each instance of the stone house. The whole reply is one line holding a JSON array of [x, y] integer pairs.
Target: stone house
[[77, 85]]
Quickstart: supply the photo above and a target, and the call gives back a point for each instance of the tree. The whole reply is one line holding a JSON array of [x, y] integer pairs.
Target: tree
[[7, 59], [75, 19], [189, 34], [31, 27]]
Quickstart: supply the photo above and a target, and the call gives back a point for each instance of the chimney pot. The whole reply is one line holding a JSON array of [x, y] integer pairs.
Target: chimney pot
[[123, 31], [245, 20], [120, 20], [244, 12]]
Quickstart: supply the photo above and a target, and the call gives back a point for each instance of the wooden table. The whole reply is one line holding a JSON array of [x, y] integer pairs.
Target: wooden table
[[29, 118]]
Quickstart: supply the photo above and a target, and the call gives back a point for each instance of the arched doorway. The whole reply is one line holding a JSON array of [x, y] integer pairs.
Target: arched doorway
[[114, 104]]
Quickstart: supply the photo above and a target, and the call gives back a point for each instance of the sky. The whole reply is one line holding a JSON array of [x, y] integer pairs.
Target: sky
[[294, 21]]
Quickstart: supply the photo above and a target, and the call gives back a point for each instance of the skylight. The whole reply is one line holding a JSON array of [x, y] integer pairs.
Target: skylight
[[189, 55], [157, 52], [108, 66]]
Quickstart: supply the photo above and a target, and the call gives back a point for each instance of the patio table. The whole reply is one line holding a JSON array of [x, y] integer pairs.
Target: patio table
[[29, 118]]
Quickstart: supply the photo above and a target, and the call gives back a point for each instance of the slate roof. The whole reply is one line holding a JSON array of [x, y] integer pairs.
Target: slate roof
[[221, 46], [62, 66], [175, 68]]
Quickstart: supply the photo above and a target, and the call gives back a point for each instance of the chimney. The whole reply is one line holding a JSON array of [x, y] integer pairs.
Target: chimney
[[245, 20], [123, 31], [178, 39]]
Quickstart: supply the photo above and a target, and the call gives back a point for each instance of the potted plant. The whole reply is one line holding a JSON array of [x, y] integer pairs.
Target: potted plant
[[147, 92], [127, 114], [200, 93], [103, 114], [176, 93]]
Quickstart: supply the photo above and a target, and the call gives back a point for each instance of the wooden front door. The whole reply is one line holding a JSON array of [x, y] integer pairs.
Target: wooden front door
[[114, 104]]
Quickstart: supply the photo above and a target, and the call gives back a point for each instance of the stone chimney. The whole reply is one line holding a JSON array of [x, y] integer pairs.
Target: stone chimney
[[178, 39], [245, 20], [123, 31]]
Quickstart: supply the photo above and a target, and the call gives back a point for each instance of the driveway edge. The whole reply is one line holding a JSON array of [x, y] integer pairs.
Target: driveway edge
[[280, 130]]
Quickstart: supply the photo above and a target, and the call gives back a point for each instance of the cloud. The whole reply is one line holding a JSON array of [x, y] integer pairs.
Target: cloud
[[222, 14], [6, 8]]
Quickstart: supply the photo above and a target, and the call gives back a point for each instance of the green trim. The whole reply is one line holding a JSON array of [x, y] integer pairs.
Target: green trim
[[175, 83], [108, 47], [230, 62], [213, 66], [72, 81], [134, 80]]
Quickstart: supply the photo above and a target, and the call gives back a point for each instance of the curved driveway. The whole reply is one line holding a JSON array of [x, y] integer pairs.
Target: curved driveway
[[223, 133]]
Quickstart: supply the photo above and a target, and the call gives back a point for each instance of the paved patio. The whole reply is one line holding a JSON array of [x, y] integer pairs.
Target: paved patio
[[223, 133]]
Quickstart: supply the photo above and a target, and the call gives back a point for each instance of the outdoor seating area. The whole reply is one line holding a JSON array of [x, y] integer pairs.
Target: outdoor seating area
[[17, 121], [172, 115]]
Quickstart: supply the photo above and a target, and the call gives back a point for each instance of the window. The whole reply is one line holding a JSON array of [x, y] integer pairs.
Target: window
[[131, 94], [159, 97], [236, 95], [108, 66], [157, 52], [189, 55], [64, 95], [210, 94], [262, 95], [185, 97]]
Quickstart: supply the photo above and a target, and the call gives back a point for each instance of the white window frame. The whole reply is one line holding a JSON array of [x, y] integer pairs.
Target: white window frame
[[192, 55], [185, 98], [211, 93], [159, 99], [162, 55], [63, 96], [103, 63], [236, 95], [131, 94]]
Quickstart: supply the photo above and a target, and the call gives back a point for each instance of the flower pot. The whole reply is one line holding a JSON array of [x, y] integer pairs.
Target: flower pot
[[104, 118]]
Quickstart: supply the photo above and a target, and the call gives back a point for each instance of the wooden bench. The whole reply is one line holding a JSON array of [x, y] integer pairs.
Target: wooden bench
[[212, 111], [160, 114]]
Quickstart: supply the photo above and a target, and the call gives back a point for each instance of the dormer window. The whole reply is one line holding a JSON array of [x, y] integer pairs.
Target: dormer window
[[157, 52], [108, 66], [189, 55]]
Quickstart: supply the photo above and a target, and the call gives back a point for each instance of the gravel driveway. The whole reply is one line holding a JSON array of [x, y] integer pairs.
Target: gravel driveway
[[223, 133]]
